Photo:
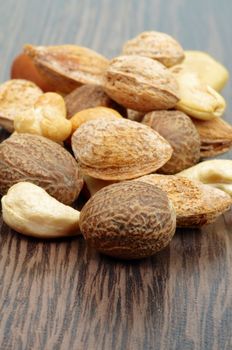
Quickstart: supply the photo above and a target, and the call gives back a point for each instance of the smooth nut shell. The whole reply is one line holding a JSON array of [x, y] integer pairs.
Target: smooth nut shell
[[141, 83], [158, 46], [90, 96], [33, 158], [178, 129], [118, 149], [195, 204], [67, 67], [128, 220]]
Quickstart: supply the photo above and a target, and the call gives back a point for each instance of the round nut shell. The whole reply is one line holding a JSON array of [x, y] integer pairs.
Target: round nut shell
[[178, 129], [156, 45], [118, 149], [141, 83], [128, 220], [36, 159]]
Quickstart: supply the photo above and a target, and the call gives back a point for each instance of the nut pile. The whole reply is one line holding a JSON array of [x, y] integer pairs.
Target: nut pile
[[128, 136]]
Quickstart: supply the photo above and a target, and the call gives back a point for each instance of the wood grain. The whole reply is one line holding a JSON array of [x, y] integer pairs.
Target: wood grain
[[59, 294]]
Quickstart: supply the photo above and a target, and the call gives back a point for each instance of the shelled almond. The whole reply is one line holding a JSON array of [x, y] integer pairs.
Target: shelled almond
[[71, 132]]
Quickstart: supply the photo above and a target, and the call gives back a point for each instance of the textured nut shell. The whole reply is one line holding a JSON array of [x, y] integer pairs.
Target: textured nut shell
[[118, 149], [198, 100], [215, 172], [178, 129], [90, 96], [23, 68], [216, 136], [16, 97], [141, 83], [33, 158], [210, 71], [195, 204], [26, 206], [156, 45], [68, 66], [128, 220], [92, 113]]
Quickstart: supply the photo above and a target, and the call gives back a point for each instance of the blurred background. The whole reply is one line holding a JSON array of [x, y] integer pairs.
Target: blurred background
[[104, 25]]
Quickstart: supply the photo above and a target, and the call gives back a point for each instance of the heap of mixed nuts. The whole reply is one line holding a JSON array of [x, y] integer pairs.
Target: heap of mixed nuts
[[127, 133]]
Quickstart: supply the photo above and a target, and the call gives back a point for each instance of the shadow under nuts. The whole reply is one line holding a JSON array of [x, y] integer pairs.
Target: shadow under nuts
[[34, 158], [178, 129], [141, 83], [128, 220], [118, 149]]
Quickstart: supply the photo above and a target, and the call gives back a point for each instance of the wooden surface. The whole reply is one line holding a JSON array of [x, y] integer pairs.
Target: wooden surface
[[59, 295]]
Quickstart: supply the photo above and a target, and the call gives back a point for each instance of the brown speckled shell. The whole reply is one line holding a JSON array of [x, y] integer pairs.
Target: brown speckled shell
[[33, 158], [141, 83], [90, 96], [128, 220], [195, 204], [215, 135], [118, 149], [68, 66], [156, 45], [178, 129]]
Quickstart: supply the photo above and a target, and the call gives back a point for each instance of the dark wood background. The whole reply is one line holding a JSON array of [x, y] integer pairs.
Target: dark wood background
[[59, 295]]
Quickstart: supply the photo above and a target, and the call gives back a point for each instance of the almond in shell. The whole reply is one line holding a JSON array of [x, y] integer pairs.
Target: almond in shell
[[156, 45], [215, 135], [67, 67], [118, 149], [141, 83], [196, 204]]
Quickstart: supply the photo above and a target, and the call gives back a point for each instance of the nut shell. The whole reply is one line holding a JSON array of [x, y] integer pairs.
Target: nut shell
[[118, 149], [141, 83], [195, 204], [24, 68], [68, 66], [178, 129], [156, 45], [90, 96], [128, 220], [215, 135], [33, 158]]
